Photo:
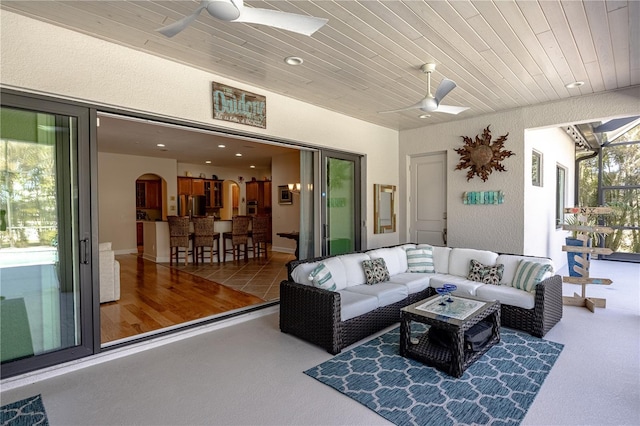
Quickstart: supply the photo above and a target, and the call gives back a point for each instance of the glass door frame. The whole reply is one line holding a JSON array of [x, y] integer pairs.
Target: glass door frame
[[360, 191], [88, 301]]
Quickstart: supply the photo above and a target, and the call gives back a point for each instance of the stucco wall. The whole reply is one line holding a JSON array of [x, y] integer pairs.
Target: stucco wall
[[540, 202], [502, 228], [40, 57]]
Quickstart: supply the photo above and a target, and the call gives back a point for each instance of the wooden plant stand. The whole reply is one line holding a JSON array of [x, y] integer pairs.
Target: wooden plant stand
[[584, 232]]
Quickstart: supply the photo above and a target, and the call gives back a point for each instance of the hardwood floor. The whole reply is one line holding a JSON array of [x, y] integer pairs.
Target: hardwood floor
[[155, 296]]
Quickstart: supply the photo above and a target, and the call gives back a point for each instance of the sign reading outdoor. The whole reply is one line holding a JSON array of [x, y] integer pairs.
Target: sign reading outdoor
[[239, 106]]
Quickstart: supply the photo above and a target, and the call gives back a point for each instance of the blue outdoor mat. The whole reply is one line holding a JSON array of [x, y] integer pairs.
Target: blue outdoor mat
[[497, 389], [26, 412]]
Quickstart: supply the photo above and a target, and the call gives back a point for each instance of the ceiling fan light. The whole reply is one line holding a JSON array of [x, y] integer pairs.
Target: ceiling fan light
[[429, 105], [223, 10]]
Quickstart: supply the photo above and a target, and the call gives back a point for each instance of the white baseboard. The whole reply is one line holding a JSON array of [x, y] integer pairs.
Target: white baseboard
[[283, 250]]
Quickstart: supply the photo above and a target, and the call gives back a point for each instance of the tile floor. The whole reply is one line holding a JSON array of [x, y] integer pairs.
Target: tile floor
[[260, 277]]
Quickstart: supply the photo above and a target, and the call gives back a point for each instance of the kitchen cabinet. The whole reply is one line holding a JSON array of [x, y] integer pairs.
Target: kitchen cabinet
[[197, 186], [139, 233], [259, 192], [213, 193], [184, 186], [148, 194]]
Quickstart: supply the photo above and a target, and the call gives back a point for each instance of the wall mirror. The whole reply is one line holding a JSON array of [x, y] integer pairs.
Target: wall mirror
[[384, 215]]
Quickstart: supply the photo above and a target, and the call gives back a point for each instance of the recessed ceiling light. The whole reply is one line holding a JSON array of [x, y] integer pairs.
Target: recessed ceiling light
[[424, 116], [252, 166], [208, 162], [161, 145], [574, 84], [238, 155], [222, 146], [293, 60]]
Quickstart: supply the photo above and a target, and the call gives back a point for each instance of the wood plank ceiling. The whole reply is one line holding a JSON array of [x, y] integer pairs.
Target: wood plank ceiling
[[502, 54]]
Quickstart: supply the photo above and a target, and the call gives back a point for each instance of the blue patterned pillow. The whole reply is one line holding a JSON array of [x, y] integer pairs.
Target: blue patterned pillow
[[375, 271], [420, 260], [321, 277], [529, 274]]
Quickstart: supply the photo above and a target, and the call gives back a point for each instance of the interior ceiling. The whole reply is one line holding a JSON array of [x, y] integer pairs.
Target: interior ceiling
[[502, 54]]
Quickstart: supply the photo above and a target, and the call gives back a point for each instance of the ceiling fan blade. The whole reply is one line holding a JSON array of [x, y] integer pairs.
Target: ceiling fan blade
[[414, 106], [444, 88], [173, 29], [301, 24], [450, 109]]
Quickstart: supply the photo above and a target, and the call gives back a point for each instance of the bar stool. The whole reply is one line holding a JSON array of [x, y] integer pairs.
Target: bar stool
[[204, 236], [178, 238], [260, 235], [238, 236]]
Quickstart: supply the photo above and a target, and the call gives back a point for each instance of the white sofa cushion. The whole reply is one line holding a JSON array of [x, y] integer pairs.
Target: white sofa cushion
[[394, 257], [441, 259], [465, 286], [420, 259], [510, 262], [300, 273], [415, 282], [355, 304], [460, 258], [507, 295], [387, 293], [353, 268]]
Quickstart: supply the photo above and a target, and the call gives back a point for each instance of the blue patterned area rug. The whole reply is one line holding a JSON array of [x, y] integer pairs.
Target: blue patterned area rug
[[497, 389], [26, 412]]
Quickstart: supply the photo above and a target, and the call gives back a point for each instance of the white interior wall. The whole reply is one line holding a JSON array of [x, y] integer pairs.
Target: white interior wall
[[501, 228], [557, 148], [117, 176], [285, 217], [86, 68]]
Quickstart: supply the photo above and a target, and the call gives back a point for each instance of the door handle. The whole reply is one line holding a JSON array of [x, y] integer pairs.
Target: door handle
[[444, 236], [84, 250]]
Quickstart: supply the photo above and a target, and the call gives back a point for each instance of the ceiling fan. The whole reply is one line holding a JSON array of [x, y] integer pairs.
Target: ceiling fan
[[432, 103], [234, 11]]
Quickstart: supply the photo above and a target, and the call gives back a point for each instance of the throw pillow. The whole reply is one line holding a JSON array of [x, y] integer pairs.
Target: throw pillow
[[485, 274], [375, 271], [529, 274], [321, 277], [420, 260]]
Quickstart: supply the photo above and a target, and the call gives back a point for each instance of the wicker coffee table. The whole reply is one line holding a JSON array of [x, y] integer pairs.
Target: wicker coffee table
[[454, 318]]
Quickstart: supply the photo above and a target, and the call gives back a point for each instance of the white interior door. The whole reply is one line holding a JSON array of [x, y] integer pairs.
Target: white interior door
[[428, 201]]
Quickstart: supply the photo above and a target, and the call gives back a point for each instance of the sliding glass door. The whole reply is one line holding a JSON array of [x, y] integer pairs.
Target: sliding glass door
[[341, 203], [45, 238]]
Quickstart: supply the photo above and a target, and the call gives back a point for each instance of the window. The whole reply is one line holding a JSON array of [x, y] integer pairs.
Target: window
[[561, 192], [536, 168]]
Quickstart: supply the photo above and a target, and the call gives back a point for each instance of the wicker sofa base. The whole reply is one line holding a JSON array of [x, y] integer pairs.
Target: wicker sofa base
[[313, 315]]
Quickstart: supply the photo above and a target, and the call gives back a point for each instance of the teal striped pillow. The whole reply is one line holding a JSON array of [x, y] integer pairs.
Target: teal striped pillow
[[420, 260], [528, 275], [321, 277]]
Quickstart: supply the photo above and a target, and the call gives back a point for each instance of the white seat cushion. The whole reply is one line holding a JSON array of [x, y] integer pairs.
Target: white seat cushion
[[460, 258], [354, 272], [441, 259], [415, 282], [465, 287], [387, 293], [395, 258], [355, 304], [507, 295]]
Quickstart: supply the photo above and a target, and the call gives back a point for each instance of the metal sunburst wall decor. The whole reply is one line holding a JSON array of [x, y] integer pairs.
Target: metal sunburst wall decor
[[481, 156]]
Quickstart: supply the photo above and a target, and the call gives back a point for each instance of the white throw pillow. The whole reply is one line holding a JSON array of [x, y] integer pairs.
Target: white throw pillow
[[321, 278], [528, 275], [420, 260]]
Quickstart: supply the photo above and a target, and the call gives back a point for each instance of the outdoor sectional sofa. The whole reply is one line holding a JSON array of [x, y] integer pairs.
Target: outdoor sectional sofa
[[352, 309]]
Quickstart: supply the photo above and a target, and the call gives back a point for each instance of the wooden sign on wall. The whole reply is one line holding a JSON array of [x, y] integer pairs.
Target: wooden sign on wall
[[239, 106]]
